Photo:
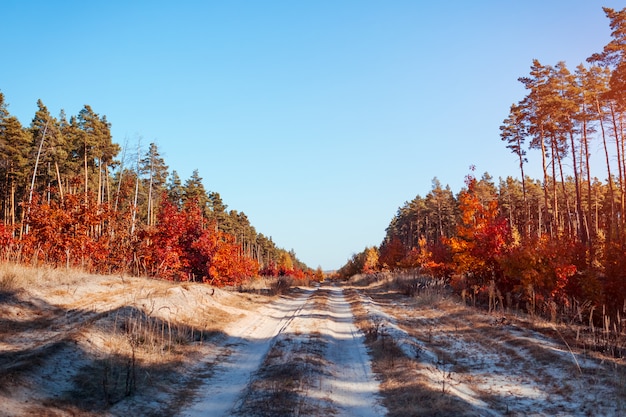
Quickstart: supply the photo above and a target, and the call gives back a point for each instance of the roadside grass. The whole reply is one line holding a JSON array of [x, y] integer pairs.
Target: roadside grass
[[15, 276], [404, 392], [272, 286], [9, 280], [128, 352], [469, 344]]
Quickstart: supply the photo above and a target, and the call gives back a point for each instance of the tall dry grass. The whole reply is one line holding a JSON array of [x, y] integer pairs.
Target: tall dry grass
[[14, 277], [404, 392]]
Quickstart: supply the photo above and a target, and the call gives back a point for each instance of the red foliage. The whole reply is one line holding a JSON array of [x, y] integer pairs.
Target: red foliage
[[184, 246], [482, 238], [7, 241], [412, 258], [269, 270], [67, 233], [298, 274], [227, 265], [615, 276], [438, 261], [392, 253], [542, 268], [273, 270]]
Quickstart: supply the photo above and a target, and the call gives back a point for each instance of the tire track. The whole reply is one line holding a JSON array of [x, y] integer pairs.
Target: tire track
[[317, 366], [351, 384], [241, 354]]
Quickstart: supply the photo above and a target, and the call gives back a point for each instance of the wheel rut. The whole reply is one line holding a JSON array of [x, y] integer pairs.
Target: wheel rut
[[300, 355]]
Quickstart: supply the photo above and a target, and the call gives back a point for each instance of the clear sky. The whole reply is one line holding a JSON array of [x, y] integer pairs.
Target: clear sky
[[318, 119]]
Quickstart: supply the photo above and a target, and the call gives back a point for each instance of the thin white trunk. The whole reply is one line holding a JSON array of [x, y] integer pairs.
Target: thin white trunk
[[32, 184]]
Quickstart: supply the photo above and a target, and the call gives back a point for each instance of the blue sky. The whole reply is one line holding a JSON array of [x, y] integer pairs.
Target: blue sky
[[318, 119]]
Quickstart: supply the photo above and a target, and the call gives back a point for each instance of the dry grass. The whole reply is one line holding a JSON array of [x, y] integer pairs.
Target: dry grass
[[133, 353], [365, 280], [475, 351], [137, 353], [12, 279], [403, 389], [281, 385], [272, 286], [19, 276], [277, 387], [293, 365]]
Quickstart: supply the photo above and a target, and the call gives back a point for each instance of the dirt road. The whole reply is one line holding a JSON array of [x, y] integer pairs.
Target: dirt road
[[300, 355], [96, 346], [115, 346]]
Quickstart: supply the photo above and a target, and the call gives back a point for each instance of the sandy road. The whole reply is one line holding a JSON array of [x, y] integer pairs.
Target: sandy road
[[311, 331], [348, 384]]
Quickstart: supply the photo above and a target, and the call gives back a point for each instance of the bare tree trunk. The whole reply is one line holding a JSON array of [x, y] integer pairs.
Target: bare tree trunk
[[608, 168], [107, 183], [119, 184], [56, 166], [526, 219], [32, 184], [619, 165], [579, 208], [555, 200], [132, 228], [150, 208], [571, 228], [86, 174], [12, 203], [545, 181], [622, 162], [99, 196], [590, 235]]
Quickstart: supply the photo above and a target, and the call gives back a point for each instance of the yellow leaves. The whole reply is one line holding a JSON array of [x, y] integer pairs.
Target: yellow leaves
[[285, 262], [370, 261]]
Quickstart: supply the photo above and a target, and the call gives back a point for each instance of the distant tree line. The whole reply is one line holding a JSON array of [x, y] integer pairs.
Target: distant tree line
[[70, 196]]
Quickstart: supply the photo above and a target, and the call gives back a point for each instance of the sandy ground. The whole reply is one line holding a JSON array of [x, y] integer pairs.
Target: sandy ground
[[469, 362], [346, 387], [78, 345], [93, 345]]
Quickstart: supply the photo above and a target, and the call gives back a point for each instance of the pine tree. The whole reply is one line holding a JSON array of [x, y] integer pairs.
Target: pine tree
[[15, 147], [194, 190], [155, 173], [94, 144], [218, 213], [55, 149], [514, 132], [175, 189], [613, 56], [440, 206]]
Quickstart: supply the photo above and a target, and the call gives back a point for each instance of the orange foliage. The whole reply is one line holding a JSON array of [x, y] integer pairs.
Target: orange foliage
[[69, 233], [436, 260], [543, 267], [482, 238], [184, 246], [615, 271], [391, 253], [7, 241], [370, 260]]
